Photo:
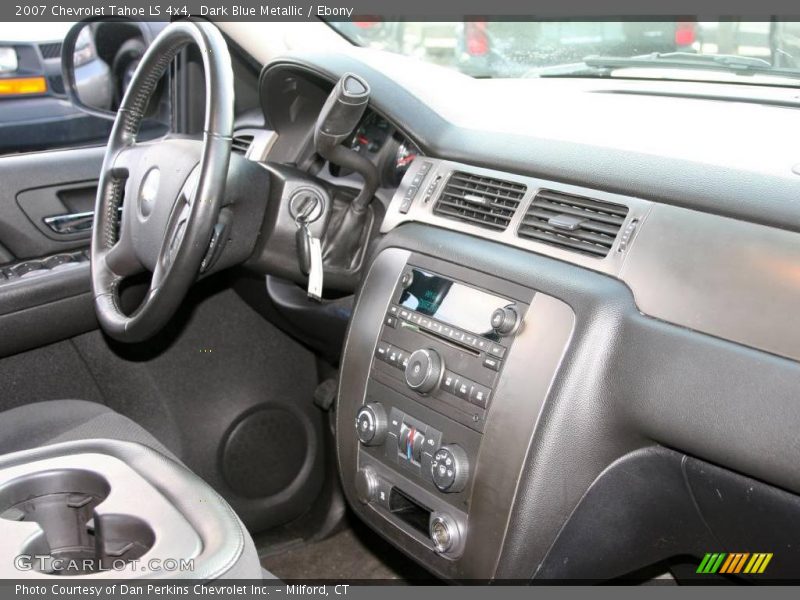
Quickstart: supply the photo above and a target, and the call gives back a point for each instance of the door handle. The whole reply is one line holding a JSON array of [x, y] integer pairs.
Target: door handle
[[72, 222]]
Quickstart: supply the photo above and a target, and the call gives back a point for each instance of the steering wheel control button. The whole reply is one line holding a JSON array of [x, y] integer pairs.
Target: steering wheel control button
[[371, 424], [424, 370], [506, 320], [367, 485], [450, 468]]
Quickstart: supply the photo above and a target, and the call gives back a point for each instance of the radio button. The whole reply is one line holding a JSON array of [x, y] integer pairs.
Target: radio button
[[463, 389], [448, 382], [479, 395], [404, 314], [497, 350], [391, 322], [393, 309], [491, 363], [382, 350]]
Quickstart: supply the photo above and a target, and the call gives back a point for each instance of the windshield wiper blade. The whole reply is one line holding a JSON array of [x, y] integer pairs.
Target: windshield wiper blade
[[743, 65]]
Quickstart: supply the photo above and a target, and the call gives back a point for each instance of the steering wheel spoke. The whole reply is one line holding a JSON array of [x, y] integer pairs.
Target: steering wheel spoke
[[121, 259]]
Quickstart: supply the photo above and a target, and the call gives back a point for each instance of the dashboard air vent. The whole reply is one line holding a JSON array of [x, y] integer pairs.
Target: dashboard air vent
[[482, 201], [572, 222], [241, 143]]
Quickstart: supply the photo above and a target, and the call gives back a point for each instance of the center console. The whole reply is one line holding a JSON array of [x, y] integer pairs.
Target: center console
[[444, 374], [107, 509]]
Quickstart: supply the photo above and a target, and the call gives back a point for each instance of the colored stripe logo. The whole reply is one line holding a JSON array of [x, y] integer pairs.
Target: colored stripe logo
[[734, 563]]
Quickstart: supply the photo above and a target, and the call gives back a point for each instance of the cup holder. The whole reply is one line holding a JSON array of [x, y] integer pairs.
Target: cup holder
[[74, 539]]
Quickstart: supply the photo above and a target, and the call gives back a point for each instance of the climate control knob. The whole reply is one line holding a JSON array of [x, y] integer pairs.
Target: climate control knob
[[424, 370], [450, 468], [506, 320], [371, 424]]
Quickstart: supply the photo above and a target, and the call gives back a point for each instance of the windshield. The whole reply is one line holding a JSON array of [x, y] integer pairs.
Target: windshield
[[765, 52]]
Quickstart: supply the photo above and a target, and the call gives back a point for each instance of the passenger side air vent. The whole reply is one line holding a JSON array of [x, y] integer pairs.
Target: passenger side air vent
[[481, 201], [241, 143], [572, 222]]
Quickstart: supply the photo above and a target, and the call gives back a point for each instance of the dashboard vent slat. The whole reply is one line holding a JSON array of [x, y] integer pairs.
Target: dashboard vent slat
[[241, 143], [595, 223], [481, 201]]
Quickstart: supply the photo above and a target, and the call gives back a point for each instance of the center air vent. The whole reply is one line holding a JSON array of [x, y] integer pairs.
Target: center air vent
[[241, 143], [481, 201], [573, 222]]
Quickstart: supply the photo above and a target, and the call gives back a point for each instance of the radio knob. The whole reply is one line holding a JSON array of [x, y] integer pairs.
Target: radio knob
[[424, 370], [450, 468], [371, 424], [506, 320]]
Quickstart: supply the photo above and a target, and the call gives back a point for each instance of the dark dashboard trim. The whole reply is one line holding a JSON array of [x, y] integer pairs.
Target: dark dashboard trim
[[727, 191]]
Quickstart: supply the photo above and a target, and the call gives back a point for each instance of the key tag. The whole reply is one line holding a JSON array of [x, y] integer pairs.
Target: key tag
[[309, 254]]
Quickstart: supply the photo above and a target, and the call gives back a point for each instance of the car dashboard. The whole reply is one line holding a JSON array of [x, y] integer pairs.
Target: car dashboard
[[567, 335]]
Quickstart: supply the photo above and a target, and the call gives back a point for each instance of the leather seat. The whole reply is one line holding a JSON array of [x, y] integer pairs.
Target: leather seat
[[41, 430]]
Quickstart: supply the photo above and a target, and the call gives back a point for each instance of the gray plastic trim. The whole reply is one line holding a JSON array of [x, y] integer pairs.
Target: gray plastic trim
[[130, 495], [534, 359], [422, 212]]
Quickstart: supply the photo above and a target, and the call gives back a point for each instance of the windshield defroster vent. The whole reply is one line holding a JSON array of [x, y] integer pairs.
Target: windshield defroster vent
[[573, 222], [481, 201]]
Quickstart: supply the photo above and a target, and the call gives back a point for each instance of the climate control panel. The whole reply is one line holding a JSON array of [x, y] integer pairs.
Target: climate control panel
[[415, 446]]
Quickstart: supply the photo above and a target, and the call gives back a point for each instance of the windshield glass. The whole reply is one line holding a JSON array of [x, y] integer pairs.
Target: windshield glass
[[729, 51]]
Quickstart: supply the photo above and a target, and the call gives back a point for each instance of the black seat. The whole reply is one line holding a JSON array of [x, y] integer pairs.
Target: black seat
[[43, 423]]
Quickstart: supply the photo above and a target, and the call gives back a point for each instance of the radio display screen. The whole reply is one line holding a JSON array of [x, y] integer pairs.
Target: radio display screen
[[450, 302]]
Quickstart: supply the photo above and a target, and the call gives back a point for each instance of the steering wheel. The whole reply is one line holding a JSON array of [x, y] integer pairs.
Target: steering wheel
[[172, 188]]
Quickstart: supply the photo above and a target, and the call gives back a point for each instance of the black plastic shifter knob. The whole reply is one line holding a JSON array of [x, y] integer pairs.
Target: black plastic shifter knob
[[341, 112]]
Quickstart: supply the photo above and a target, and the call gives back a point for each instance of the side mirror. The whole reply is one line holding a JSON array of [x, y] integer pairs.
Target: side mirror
[[98, 60]]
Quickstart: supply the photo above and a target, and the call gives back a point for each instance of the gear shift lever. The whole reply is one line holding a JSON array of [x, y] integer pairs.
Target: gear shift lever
[[337, 120]]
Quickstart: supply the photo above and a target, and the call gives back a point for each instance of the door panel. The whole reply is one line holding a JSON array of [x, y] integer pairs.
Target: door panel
[[45, 291], [40, 182]]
